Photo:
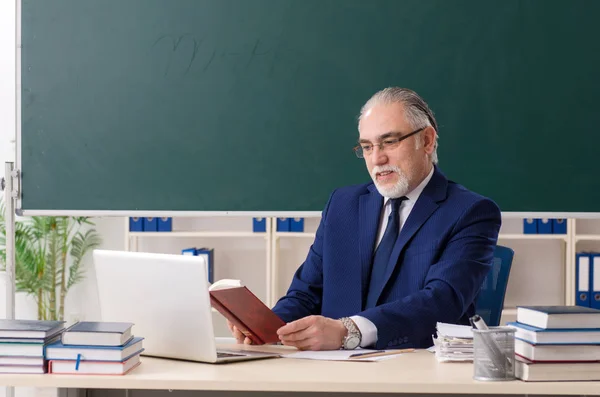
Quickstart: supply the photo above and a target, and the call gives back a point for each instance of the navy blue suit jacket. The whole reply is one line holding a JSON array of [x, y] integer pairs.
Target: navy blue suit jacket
[[443, 253]]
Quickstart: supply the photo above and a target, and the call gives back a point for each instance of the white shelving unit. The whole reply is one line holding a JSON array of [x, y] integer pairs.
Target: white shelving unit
[[272, 241]]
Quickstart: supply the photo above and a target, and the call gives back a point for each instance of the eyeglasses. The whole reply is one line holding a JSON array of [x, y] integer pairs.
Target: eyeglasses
[[365, 149]]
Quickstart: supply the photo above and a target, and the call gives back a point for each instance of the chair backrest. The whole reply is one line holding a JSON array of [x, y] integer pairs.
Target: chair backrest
[[490, 301]]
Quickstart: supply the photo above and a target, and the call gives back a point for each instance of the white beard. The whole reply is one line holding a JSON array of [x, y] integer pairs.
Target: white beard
[[399, 189]]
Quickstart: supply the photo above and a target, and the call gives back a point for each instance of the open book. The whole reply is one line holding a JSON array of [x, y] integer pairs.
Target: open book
[[248, 313]]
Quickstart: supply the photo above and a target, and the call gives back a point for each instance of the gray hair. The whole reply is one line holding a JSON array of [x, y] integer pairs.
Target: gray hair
[[416, 110]]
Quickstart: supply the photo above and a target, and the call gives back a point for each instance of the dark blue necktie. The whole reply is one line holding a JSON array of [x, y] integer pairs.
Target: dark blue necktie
[[383, 253]]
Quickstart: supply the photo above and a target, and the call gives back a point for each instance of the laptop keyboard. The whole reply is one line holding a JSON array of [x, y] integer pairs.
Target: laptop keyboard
[[223, 355]]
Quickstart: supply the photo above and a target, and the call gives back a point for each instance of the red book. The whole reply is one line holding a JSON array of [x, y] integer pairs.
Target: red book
[[248, 313]]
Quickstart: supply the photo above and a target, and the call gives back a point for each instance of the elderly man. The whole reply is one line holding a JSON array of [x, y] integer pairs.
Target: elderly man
[[394, 256]]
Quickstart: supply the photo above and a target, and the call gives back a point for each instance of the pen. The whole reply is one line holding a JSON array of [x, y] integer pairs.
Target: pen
[[379, 353], [366, 354], [478, 322]]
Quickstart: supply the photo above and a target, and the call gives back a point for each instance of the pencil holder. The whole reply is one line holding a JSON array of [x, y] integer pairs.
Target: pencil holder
[[494, 354]]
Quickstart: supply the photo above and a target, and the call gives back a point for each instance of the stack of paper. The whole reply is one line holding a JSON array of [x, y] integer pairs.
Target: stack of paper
[[453, 342]]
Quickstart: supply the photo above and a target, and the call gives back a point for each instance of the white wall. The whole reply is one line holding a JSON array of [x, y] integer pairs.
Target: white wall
[[7, 80], [7, 98]]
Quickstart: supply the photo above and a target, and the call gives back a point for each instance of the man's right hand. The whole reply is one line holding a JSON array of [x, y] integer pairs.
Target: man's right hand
[[237, 334]]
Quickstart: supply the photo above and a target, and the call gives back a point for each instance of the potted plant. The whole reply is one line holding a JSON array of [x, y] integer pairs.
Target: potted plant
[[49, 251]]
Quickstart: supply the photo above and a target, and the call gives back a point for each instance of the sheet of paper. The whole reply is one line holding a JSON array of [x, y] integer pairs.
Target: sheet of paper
[[338, 355], [454, 330]]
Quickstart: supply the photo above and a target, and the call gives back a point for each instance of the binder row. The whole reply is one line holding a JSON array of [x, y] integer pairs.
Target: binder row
[[544, 226], [283, 224], [587, 279], [150, 224], [138, 224]]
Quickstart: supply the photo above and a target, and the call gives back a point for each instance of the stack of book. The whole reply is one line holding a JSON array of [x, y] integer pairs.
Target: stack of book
[[22, 344], [90, 347], [453, 342], [557, 343]]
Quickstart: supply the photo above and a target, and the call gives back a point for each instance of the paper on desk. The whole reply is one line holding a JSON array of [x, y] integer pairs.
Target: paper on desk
[[338, 355], [454, 330], [453, 342]]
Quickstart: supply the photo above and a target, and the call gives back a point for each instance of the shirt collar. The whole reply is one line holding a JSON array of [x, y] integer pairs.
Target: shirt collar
[[416, 192]]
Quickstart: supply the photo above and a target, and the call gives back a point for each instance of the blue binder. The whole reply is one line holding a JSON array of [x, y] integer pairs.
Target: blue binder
[[582, 279], [188, 251], [209, 252], [559, 226], [210, 261], [529, 226], [283, 224], [595, 281], [165, 224], [545, 226], [136, 224], [296, 224], [259, 224], [150, 224]]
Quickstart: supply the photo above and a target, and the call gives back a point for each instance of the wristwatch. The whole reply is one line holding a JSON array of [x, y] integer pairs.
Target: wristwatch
[[353, 337]]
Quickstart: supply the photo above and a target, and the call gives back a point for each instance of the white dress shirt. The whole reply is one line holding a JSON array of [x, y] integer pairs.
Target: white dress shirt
[[366, 327]]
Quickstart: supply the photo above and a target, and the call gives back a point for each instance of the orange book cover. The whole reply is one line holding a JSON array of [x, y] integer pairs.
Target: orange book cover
[[248, 313]]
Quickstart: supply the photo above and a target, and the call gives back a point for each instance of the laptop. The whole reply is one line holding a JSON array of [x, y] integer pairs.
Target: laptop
[[166, 297]]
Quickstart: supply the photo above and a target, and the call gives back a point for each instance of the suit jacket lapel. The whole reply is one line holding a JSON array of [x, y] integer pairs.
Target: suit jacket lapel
[[370, 206], [426, 204]]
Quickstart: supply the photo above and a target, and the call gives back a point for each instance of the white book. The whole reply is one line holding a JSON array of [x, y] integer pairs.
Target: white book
[[556, 372], [537, 353], [59, 351], [22, 349], [17, 360], [93, 367], [556, 317], [22, 369], [97, 333], [29, 328]]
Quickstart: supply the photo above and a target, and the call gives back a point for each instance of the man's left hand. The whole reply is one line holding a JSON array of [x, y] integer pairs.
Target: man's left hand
[[313, 333]]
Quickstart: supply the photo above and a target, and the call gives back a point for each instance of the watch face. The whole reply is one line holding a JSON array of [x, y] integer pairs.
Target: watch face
[[352, 342]]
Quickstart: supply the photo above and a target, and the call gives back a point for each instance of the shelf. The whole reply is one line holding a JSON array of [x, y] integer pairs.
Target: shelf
[[197, 234], [312, 235], [517, 236], [295, 234], [587, 237]]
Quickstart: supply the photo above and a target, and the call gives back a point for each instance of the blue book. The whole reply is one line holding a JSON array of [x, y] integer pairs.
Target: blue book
[[559, 317], [60, 351], [97, 333], [565, 336]]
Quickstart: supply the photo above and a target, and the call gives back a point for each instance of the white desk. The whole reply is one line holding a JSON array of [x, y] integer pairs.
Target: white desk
[[411, 373]]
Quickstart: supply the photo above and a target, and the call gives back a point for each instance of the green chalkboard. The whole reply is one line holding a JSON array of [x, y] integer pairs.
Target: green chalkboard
[[251, 105]]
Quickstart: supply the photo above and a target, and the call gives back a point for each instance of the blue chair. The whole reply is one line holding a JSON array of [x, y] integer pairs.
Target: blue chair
[[490, 301]]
